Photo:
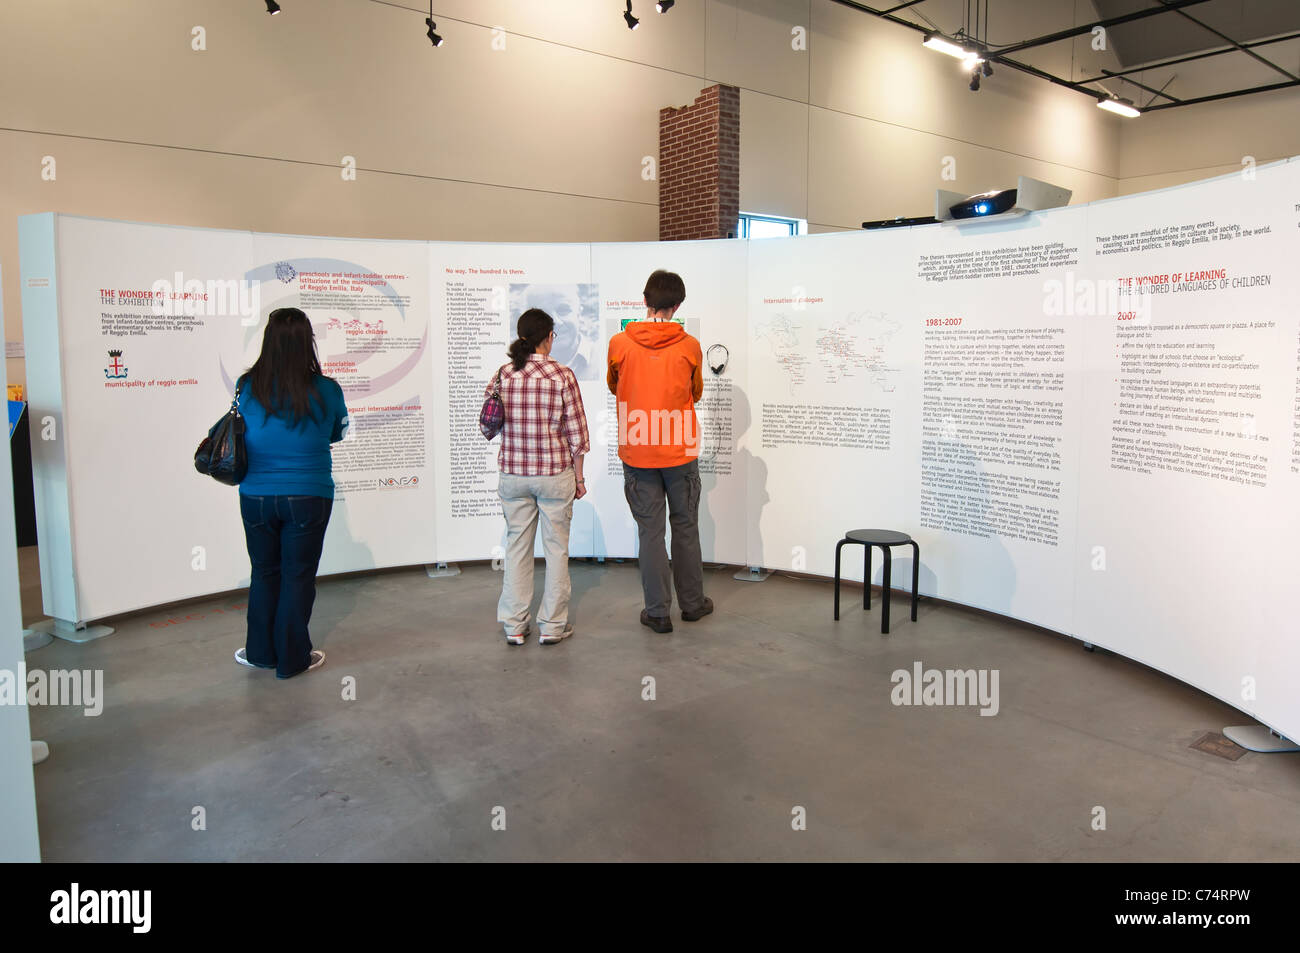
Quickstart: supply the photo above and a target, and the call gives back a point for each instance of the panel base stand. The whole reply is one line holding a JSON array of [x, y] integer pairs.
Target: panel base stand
[[40, 751], [752, 574], [35, 640], [1259, 738], [441, 570], [71, 632]]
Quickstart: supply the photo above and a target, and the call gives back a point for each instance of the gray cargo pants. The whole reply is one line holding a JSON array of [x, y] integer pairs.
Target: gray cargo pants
[[646, 491]]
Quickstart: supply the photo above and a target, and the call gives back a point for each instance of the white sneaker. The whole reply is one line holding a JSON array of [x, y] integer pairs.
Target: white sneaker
[[317, 660], [241, 656], [516, 638], [551, 638]]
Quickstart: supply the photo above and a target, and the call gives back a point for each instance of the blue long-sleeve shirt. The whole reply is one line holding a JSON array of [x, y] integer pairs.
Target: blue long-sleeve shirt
[[292, 460]]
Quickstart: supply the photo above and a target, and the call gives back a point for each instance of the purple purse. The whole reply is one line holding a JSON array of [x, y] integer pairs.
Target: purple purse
[[493, 415]]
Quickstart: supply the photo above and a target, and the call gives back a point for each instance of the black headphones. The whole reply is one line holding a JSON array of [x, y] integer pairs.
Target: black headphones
[[721, 366]]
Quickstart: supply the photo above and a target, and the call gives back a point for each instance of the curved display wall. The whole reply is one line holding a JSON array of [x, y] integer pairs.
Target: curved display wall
[[1089, 418]]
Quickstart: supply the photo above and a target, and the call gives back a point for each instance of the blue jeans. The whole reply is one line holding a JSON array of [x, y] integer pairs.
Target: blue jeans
[[285, 535]]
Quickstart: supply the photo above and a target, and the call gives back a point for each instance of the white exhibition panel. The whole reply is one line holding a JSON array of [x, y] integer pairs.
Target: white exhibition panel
[[19, 836], [1000, 412], [144, 530], [1089, 462], [714, 312], [833, 357], [1186, 555], [369, 306], [961, 402], [476, 291], [39, 288]]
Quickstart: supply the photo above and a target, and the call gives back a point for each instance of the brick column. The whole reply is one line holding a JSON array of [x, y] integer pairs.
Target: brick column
[[699, 166]]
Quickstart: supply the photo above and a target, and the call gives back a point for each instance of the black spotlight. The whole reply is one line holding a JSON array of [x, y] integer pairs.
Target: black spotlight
[[272, 7], [988, 68], [663, 6], [434, 38], [631, 20], [975, 80]]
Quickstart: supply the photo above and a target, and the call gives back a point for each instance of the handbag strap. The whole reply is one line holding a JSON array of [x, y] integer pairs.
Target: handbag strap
[[496, 383], [234, 404]]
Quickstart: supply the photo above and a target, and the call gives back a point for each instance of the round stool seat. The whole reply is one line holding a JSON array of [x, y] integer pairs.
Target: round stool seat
[[878, 537], [884, 538]]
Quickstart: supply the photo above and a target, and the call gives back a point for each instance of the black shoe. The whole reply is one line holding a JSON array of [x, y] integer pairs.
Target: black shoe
[[699, 613], [659, 623]]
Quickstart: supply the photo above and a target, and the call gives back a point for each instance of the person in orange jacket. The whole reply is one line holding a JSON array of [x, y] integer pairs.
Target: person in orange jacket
[[656, 375]]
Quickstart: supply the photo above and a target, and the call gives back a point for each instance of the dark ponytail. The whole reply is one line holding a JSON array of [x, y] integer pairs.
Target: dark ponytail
[[535, 326]]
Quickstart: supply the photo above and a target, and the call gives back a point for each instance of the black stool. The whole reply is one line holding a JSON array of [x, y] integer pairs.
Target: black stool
[[884, 538]]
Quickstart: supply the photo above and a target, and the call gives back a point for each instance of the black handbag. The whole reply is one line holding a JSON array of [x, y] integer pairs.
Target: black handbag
[[222, 454]]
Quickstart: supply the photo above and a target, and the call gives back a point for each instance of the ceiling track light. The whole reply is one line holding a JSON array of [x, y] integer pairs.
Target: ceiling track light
[[1120, 107], [432, 33], [663, 6], [940, 44], [632, 22], [971, 47], [272, 7]]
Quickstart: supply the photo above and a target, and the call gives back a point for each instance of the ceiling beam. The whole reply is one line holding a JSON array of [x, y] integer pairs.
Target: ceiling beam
[[902, 6], [1217, 96], [1187, 59], [1227, 39], [1167, 6], [998, 58], [1001, 57], [1149, 89]]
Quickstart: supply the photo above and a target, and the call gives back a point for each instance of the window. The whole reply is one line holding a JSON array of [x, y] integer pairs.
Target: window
[[769, 226]]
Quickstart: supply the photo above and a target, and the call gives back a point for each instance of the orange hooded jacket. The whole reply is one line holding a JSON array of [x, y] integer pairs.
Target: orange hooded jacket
[[656, 375]]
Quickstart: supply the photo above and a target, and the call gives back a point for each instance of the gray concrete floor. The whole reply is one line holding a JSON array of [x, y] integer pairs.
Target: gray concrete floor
[[765, 706]]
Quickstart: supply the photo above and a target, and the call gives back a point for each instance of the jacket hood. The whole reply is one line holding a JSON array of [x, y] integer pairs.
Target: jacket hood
[[655, 334]]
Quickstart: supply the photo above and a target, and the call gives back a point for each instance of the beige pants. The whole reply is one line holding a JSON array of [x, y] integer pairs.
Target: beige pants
[[523, 500]]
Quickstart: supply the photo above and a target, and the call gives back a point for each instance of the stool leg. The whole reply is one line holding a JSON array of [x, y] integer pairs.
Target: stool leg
[[916, 574], [866, 578], [884, 615], [838, 547]]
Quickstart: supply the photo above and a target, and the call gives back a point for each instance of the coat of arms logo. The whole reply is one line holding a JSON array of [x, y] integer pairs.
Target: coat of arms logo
[[116, 370]]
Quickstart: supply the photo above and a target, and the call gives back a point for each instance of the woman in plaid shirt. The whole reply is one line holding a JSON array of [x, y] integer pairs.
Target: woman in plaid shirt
[[542, 446]]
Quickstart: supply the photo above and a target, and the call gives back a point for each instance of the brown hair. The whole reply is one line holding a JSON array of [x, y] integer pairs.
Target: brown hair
[[664, 290]]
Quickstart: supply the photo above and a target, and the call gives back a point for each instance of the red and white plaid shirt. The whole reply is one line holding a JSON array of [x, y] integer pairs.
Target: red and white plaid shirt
[[546, 426]]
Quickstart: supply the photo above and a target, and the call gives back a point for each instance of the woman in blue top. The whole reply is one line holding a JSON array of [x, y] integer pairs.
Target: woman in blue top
[[292, 414]]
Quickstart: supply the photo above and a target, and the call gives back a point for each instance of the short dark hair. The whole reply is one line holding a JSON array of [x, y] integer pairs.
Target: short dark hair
[[664, 290]]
